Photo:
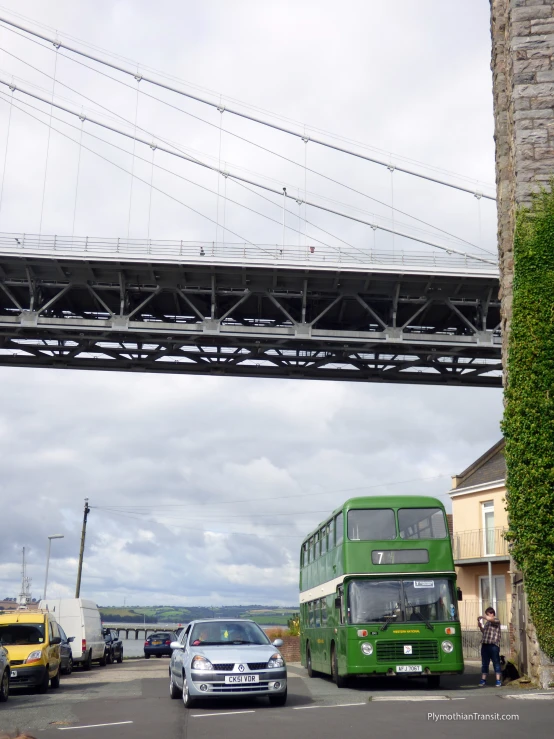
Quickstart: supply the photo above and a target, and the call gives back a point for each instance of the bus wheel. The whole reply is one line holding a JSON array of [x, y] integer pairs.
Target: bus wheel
[[339, 680], [434, 682], [311, 671]]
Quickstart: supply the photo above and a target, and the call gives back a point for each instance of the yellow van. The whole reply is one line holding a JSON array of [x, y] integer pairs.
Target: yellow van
[[32, 640]]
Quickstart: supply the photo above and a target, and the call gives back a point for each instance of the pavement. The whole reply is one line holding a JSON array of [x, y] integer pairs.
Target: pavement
[[131, 701]]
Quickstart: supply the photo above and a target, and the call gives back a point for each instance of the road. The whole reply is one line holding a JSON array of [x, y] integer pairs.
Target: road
[[131, 701]]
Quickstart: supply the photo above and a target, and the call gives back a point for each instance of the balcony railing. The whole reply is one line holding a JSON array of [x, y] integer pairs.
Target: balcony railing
[[480, 543]]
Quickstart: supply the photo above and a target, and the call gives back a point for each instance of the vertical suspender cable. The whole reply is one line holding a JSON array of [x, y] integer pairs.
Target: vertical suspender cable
[[48, 142], [151, 188], [78, 173], [221, 109], [224, 201], [305, 140], [391, 170], [138, 78], [6, 151]]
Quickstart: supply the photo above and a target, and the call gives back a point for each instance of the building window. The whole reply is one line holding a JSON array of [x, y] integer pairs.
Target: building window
[[488, 528]]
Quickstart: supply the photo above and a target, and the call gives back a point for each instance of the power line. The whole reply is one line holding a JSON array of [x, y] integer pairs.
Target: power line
[[240, 114], [284, 497]]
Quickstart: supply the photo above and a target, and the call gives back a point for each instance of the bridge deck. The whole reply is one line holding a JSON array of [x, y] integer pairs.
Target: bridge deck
[[299, 314]]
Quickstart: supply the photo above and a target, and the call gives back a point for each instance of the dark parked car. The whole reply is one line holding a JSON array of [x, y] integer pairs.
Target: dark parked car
[[159, 644], [114, 646], [66, 658]]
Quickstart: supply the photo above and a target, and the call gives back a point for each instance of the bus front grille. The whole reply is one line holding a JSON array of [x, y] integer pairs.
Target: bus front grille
[[393, 651]]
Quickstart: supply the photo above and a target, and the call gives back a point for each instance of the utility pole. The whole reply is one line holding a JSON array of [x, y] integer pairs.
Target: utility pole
[[82, 551]]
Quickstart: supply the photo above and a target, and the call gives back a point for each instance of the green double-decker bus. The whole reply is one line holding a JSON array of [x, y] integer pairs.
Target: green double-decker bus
[[378, 592]]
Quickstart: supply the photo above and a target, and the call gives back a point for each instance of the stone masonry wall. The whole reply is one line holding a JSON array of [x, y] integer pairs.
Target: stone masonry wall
[[523, 87]]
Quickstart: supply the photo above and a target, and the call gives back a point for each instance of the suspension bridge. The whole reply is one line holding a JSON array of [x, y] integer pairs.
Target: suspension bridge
[[423, 308]]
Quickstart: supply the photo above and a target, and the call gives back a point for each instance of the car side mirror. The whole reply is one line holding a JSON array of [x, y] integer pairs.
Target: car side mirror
[[459, 594], [176, 645], [56, 640], [277, 642], [71, 638]]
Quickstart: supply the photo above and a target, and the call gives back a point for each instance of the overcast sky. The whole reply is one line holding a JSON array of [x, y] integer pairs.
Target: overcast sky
[[219, 479]]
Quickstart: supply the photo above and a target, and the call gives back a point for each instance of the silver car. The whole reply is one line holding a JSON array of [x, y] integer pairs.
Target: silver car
[[4, 675], [223, 658]]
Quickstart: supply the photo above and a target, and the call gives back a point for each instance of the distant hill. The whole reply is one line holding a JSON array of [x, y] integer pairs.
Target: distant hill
[[274, 615]]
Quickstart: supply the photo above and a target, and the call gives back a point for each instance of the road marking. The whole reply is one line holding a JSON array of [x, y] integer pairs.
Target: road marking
[[410, 698], [92, 726], [338, 705], [225, 713], [531, 696]]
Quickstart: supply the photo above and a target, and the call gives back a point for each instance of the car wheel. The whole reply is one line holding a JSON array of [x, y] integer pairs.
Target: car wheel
[[120, 658], [109, 657], [188, 701], [434, 682], [339, 680], [55, 681], [87, 664], [146, 656], [44, 684], [69, 668], [5, 686], [278, 700], [174, 691]]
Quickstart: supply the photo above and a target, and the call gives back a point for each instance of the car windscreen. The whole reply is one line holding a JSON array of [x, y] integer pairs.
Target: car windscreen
[[227, 632], [160, 635], [21, 634], [371, 524]]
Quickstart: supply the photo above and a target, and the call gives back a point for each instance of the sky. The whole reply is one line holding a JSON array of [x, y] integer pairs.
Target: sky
[[217, 480]]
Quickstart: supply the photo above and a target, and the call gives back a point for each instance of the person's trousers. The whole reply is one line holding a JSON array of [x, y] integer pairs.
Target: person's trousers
[[490, 652]]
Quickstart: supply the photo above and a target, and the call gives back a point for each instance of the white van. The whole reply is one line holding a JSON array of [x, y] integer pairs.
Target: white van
[[80, 618]]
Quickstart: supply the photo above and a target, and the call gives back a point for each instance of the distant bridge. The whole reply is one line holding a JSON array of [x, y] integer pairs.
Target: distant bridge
[[138, 629], [249, 311]]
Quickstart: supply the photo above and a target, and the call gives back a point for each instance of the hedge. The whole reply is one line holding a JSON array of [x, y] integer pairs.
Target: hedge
[[528, 423]]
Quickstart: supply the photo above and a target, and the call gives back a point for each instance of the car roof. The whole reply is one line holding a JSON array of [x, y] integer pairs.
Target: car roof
[[25, 617], [223, 620]]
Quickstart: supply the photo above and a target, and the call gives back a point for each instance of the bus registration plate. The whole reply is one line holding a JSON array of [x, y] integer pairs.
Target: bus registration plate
[[241, 679], [408, 668]]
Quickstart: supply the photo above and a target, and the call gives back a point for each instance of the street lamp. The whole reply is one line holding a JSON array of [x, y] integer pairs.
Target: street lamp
[[53, 536]]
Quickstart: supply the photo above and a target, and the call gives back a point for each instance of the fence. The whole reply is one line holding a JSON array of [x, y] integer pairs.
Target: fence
[[480, 543]]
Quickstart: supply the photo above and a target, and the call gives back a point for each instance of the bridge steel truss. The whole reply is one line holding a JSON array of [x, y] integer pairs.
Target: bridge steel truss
[[371, 323]]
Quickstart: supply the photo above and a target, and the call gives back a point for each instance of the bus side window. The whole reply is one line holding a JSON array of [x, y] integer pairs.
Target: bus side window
[[316, 545], [311, 550], [317, 608], [323, 537], [324, 611], [339, 533], [331, 531]]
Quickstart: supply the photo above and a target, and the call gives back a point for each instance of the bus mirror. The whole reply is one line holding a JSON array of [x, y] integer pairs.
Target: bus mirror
[[459, 594], [337, 603]]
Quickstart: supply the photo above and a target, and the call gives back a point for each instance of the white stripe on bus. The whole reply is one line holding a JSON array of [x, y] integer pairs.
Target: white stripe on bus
[[330, 587]]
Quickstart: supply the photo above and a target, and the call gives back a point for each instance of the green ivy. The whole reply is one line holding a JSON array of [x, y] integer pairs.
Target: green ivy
[[528, 423]]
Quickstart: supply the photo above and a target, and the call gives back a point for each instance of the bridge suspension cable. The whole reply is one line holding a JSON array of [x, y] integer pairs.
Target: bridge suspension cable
[[181, 155], [227, 132], [255, 119]]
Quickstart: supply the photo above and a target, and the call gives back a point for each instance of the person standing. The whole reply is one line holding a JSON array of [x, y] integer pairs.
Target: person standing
[[490, 646]]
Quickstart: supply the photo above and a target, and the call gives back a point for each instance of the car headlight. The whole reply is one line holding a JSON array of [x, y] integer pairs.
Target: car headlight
[[366, 648], [447, 646], [201, 663], [276, 660], [35, 656]]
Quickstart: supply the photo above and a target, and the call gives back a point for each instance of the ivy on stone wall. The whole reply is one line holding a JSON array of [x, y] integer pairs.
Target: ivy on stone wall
[[528, 423]]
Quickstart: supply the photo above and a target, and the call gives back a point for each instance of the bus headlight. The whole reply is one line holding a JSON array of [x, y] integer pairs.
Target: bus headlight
[[447, 646], [366, 648]]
